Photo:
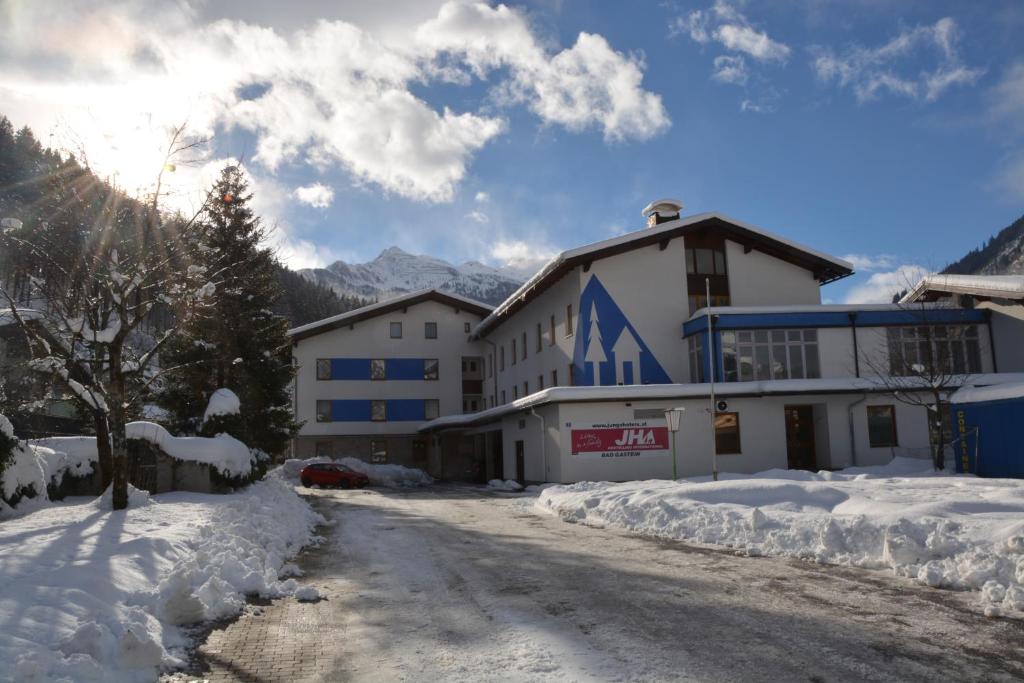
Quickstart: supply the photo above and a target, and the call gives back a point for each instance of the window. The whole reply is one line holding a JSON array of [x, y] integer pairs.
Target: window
[[568, 320], [524, 346], [706, 260], [396, 330], [430, 330], [323, 411], [933, 349], [323, 368], [649, 413], [378, 369], [695, 346], [770, 354], [572, 375], [503, 396], [554, 378], [540, 337], [466, 328], [551, 337], [514, 354], [431, 408], [378, 411], [526, 388], [378, 451], [727, 433], [472, 366], [430, 366], [540, 382], [501, 358], [705, 267], [882, 426], [515, 391]]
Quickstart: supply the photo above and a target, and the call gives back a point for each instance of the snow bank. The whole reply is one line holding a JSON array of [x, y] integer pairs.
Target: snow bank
[[506, 485], [957, 532], [92, 595], [228, 455], [222, 402], [393, 476]]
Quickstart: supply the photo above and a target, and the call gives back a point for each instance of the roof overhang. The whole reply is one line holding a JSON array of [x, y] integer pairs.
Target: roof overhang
[[984, 287]]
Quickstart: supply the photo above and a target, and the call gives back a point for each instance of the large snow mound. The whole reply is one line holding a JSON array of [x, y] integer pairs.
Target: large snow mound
[[958, 532], [87, 594], [224, 452], [392, 476]]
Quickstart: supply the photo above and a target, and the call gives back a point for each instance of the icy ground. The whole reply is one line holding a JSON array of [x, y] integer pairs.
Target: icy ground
[[87, 594], [948, 531]]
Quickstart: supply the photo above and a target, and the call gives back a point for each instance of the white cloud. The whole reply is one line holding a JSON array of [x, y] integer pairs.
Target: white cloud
[[478, 216], [118, 76], [521, 257], [880, 287], [1010, 177], [1006, 100], [870, 71], [317, 195], [755, 43], [871, 262], [730, 69], [482, 197]]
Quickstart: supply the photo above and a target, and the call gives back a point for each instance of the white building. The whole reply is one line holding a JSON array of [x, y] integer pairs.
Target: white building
[[580, 364]]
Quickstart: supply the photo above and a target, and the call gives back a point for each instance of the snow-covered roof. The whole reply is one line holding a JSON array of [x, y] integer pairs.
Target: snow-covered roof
[[830, 267], [805, 308], [994, 392], [654, 392], [988, 286], [386, 306]]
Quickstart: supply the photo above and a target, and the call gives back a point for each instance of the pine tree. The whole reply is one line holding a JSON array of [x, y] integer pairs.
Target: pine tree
[[240, 344]]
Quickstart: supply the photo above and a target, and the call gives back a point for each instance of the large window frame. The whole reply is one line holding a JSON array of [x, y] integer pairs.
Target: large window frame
[[378, 369], [323, 369], [881, 421], [431, 369], [934, 349], [323, 411], [395, 329], [378, 410], [767, 354], [431, 408], [430, 330]]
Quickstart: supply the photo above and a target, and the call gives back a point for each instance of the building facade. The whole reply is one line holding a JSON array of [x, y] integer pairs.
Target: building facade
[[578, 367]]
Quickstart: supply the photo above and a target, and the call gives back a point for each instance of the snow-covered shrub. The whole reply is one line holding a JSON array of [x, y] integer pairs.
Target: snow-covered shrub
[[23, 472], [8, 442]]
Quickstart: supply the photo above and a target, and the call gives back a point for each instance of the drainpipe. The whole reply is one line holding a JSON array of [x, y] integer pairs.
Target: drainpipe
[[991, 339], [856, 352], [543, 442], [494, 367], [853, 437]]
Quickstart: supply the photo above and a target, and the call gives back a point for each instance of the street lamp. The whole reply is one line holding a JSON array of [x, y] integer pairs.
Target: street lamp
[[672, 418]]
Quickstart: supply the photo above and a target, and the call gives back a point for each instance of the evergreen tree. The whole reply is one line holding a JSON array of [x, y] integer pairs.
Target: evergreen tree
[[240, 343]]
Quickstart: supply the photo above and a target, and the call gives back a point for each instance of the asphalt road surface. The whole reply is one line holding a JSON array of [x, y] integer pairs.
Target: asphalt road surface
[[460, 584]]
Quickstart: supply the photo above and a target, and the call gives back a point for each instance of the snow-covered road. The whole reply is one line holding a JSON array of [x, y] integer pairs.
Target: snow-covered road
[[456, 583]]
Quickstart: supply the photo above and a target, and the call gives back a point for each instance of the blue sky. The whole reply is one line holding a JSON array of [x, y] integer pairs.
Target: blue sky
[[890, 131]]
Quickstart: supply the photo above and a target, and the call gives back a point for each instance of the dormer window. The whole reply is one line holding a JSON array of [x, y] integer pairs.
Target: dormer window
[[705, 260]]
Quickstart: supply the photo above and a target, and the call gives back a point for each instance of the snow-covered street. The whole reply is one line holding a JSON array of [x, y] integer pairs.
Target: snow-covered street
[[469, 584]]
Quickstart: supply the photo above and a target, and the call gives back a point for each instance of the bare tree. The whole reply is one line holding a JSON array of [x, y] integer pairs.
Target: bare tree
[[95, 294], [924, 360]]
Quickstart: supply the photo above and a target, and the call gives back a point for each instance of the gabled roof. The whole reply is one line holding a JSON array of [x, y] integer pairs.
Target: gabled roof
[[825, 268], [382, 307], [981, 286]]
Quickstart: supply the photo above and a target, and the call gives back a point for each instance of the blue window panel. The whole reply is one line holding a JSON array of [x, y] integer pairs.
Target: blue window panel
[[405, 368], [350, 368], [350, 410], [407, 410]]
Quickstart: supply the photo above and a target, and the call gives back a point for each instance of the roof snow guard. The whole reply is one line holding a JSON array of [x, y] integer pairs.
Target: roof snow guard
[[380, 308], [825, 268], [982, 286]]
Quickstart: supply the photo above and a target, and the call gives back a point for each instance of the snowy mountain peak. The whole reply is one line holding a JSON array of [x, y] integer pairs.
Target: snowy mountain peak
[[396, 271]]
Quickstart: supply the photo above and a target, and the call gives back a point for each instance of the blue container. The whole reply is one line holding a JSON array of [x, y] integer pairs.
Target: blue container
[[991, 437]]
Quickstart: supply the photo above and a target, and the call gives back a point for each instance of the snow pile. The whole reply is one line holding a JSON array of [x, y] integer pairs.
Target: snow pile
[[222, 402], [957, 532], [506, 485], [92, 595], [228, 455], [392, 476], [32, 469]]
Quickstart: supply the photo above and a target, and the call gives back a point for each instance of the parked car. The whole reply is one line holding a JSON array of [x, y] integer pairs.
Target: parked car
[[332, 474]]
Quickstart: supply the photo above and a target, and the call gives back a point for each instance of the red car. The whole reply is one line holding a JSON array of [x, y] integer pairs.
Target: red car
[[332, 474]]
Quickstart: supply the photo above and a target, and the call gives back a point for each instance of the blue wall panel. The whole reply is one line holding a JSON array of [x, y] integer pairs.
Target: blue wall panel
[[407, 410], [395, 368], [350, 368], [350, 410], [404, 368], [996, 449]]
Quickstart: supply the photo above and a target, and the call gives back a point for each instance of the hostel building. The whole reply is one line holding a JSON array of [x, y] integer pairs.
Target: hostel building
[[570, 377]]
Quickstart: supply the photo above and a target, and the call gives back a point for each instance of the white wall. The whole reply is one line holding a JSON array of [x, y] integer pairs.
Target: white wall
[[757, 279], [1008, 331], [371, 339]]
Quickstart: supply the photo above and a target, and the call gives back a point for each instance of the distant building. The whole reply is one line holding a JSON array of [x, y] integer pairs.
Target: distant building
[[577, 368]]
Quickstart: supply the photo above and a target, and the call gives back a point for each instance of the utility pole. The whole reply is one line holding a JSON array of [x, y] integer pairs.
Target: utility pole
[[711, 374]]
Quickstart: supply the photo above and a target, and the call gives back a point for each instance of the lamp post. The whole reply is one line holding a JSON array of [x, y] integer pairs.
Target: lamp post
[[672, 418], [712, 358]]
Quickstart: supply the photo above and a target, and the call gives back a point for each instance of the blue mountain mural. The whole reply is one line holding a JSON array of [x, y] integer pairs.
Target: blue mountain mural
[[608, 349]]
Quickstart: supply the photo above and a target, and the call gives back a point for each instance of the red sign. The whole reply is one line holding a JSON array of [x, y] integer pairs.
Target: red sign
[[619, 439]]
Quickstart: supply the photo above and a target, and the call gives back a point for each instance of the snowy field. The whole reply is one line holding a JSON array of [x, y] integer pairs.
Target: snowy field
[[947, 531], [87, 594]]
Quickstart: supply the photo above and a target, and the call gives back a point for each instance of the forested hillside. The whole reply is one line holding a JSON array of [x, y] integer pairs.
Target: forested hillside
[[1002, 254]]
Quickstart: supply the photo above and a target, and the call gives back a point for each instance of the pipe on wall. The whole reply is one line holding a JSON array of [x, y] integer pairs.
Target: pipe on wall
[[853, 435]]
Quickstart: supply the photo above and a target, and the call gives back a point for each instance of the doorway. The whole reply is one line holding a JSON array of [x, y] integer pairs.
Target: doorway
[[800, 450], [520, 463]]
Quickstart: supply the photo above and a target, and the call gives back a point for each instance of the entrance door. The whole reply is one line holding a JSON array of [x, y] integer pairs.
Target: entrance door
[[520, 462], [800, 438]]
